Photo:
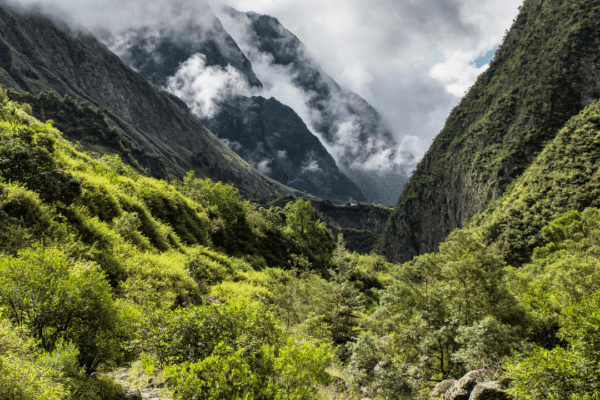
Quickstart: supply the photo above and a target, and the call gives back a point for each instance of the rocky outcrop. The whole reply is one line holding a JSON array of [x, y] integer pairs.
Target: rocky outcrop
[[462, 388], [539, 78], [441, 388], [489, 391], [39, 55], [475, 385]]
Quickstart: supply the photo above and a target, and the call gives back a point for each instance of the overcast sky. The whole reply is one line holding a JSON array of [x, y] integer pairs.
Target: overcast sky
[[411, 59]]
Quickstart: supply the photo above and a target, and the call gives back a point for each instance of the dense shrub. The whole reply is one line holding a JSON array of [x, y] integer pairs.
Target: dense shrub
[[26, 155], [570, 372], [55, 299], [22, 375]]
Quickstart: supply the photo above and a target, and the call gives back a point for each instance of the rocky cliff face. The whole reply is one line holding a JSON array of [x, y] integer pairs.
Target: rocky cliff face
[[38, 55], [273, 138], [352, 130], [546, 71]]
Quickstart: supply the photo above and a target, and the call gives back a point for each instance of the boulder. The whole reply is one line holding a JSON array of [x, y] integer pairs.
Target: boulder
[[461, 390], [131, 394], [441, 388], [488, 391]]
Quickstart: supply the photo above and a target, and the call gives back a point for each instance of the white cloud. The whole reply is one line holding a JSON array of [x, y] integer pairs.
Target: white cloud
[[375, 48], [231, 144], [201, 86], [313, 166], [281, 154], [263, 167], [390, 51]]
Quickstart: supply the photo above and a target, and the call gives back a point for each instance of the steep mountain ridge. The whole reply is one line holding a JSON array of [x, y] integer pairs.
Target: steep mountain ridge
[[564, 177], [545, 72], [351, 129], [274, 139], [202, 63], [156, 52], [37, 55]]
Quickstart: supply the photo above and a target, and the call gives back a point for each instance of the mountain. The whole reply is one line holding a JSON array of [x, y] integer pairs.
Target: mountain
[[156, 52], [351, 129], [545, 72], [38, 55], [202, 64], [274, 139]]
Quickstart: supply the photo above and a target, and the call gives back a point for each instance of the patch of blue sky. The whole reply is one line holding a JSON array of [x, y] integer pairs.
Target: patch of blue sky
[[486, 59]]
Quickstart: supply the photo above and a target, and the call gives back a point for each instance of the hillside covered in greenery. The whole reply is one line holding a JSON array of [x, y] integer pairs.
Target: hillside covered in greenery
[[103, 267], [110, 280], [39, 55], [117, 285], [544, 73]]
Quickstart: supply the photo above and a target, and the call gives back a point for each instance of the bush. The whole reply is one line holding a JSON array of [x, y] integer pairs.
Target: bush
[[563, 373], [22, 376], [27, 156], [225, 374], [55, 299], [191, 334]]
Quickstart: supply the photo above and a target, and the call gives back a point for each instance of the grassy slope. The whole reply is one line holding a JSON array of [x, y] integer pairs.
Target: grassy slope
[[544, 73]]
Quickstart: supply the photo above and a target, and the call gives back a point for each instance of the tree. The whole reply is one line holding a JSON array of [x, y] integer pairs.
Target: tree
[[309, 234], [347, 300], [570, 372], [443, 314], [56, 299]]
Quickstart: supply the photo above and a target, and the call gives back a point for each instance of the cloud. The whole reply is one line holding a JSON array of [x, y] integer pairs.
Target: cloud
[[201, 86], [117, 15], [263, 167], [384, 50], [231, 144], [313, 166], [281, 154], [390, 51]]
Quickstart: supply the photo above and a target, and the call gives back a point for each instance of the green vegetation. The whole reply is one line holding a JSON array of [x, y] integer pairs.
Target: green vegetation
[[102, 267], [535, 84], [563, 177], [112, 279]]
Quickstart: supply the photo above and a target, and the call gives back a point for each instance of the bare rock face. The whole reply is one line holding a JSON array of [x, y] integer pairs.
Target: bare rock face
[[461, 390], [488, 391], [441, 388]]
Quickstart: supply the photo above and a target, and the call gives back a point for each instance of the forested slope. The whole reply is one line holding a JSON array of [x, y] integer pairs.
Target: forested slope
[[545, 72]]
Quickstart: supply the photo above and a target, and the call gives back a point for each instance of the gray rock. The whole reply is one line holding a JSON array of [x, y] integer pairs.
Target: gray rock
[[441, 388], [131, 394], [488, 391], [462, 388]]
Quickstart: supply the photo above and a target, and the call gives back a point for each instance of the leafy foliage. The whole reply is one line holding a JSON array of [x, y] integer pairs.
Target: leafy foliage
[[56, 301], [563, 373], [442, 315]]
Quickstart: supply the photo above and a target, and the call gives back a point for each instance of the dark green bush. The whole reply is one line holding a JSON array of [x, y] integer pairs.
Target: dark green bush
[[27, 156]]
